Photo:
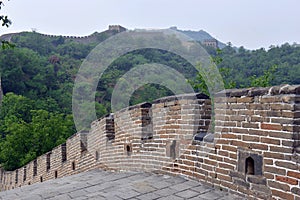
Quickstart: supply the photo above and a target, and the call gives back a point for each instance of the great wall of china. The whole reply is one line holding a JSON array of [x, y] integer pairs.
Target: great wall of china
[[112, 29], [254, 151]]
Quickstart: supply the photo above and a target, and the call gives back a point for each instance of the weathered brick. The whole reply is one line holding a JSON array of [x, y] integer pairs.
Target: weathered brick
[[289, 99], [222, 129], [240, 130], [216, 157], [250, 125], [281, 149], [269, 175], [258, 132], [223, 153], [222, 141], [260, 146], [270, 140], [281, 135], [283, 195], [229, 148], [275, 170], [245, 112], [282, 106], [288, 143], [199, 176], [240, 143], [224, 177], [280, 186], [297, 114], [250, 138], [289, 127], [207, 167], [296, 190], [229, 185], [259, 119], [228, 135], [226, 166], [233, 124], [237, 106], [276, 127], [273, 113], [288, 180], [230, 161], [245, 100], [222, 171], [268, 161], [233, 155], [238, 118], [288, 114], [268, 99], [255, 106], [188, 162], [210, 162], [293, 174], [201, 171], [282, 120]]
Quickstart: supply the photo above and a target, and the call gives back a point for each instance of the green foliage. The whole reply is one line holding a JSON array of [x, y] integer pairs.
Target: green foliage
[[27, 133], [245, 64], [37, 79], [199, 83], [6, 45], [265, 79], [256, 80]]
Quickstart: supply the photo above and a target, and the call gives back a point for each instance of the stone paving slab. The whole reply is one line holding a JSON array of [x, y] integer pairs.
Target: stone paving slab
[[98, 185]]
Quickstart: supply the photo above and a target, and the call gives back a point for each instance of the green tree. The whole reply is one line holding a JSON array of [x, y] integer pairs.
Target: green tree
[[199, 82], [27, 131], [265, 79]]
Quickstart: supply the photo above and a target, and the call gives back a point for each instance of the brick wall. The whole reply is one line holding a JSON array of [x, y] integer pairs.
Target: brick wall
[[261, 124], [148, 136], [51, 165], [254, 150]]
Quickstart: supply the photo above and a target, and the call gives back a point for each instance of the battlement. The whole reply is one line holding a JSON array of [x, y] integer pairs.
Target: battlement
[[117, 28], [253, 150], [211, 43], [81, 39]]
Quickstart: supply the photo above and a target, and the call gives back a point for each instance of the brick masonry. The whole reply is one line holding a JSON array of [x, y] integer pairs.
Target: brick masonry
[[254, 150]]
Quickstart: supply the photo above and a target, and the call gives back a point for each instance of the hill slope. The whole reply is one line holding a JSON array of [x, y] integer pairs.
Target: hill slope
[[200, 36]]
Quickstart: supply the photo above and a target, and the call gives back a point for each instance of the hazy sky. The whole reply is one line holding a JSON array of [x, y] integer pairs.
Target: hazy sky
[[249, 23]]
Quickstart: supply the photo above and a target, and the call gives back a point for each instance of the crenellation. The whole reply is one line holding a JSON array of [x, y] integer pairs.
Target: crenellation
[[253, 150]]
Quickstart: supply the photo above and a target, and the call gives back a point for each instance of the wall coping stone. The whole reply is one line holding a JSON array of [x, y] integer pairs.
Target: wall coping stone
[[260, 91], [189, 96], [140, 105]]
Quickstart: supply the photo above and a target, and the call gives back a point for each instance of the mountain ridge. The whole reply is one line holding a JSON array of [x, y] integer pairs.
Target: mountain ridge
[[200, 35]]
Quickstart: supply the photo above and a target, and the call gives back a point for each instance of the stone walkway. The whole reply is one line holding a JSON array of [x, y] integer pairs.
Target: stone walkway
[[98, 184]]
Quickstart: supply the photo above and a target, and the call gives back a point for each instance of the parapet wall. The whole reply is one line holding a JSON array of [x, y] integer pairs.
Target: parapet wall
[[112, 29], [254, 150]]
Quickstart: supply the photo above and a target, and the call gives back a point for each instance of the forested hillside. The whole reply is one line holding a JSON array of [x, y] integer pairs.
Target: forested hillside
[[244, 64], [38, 74]]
